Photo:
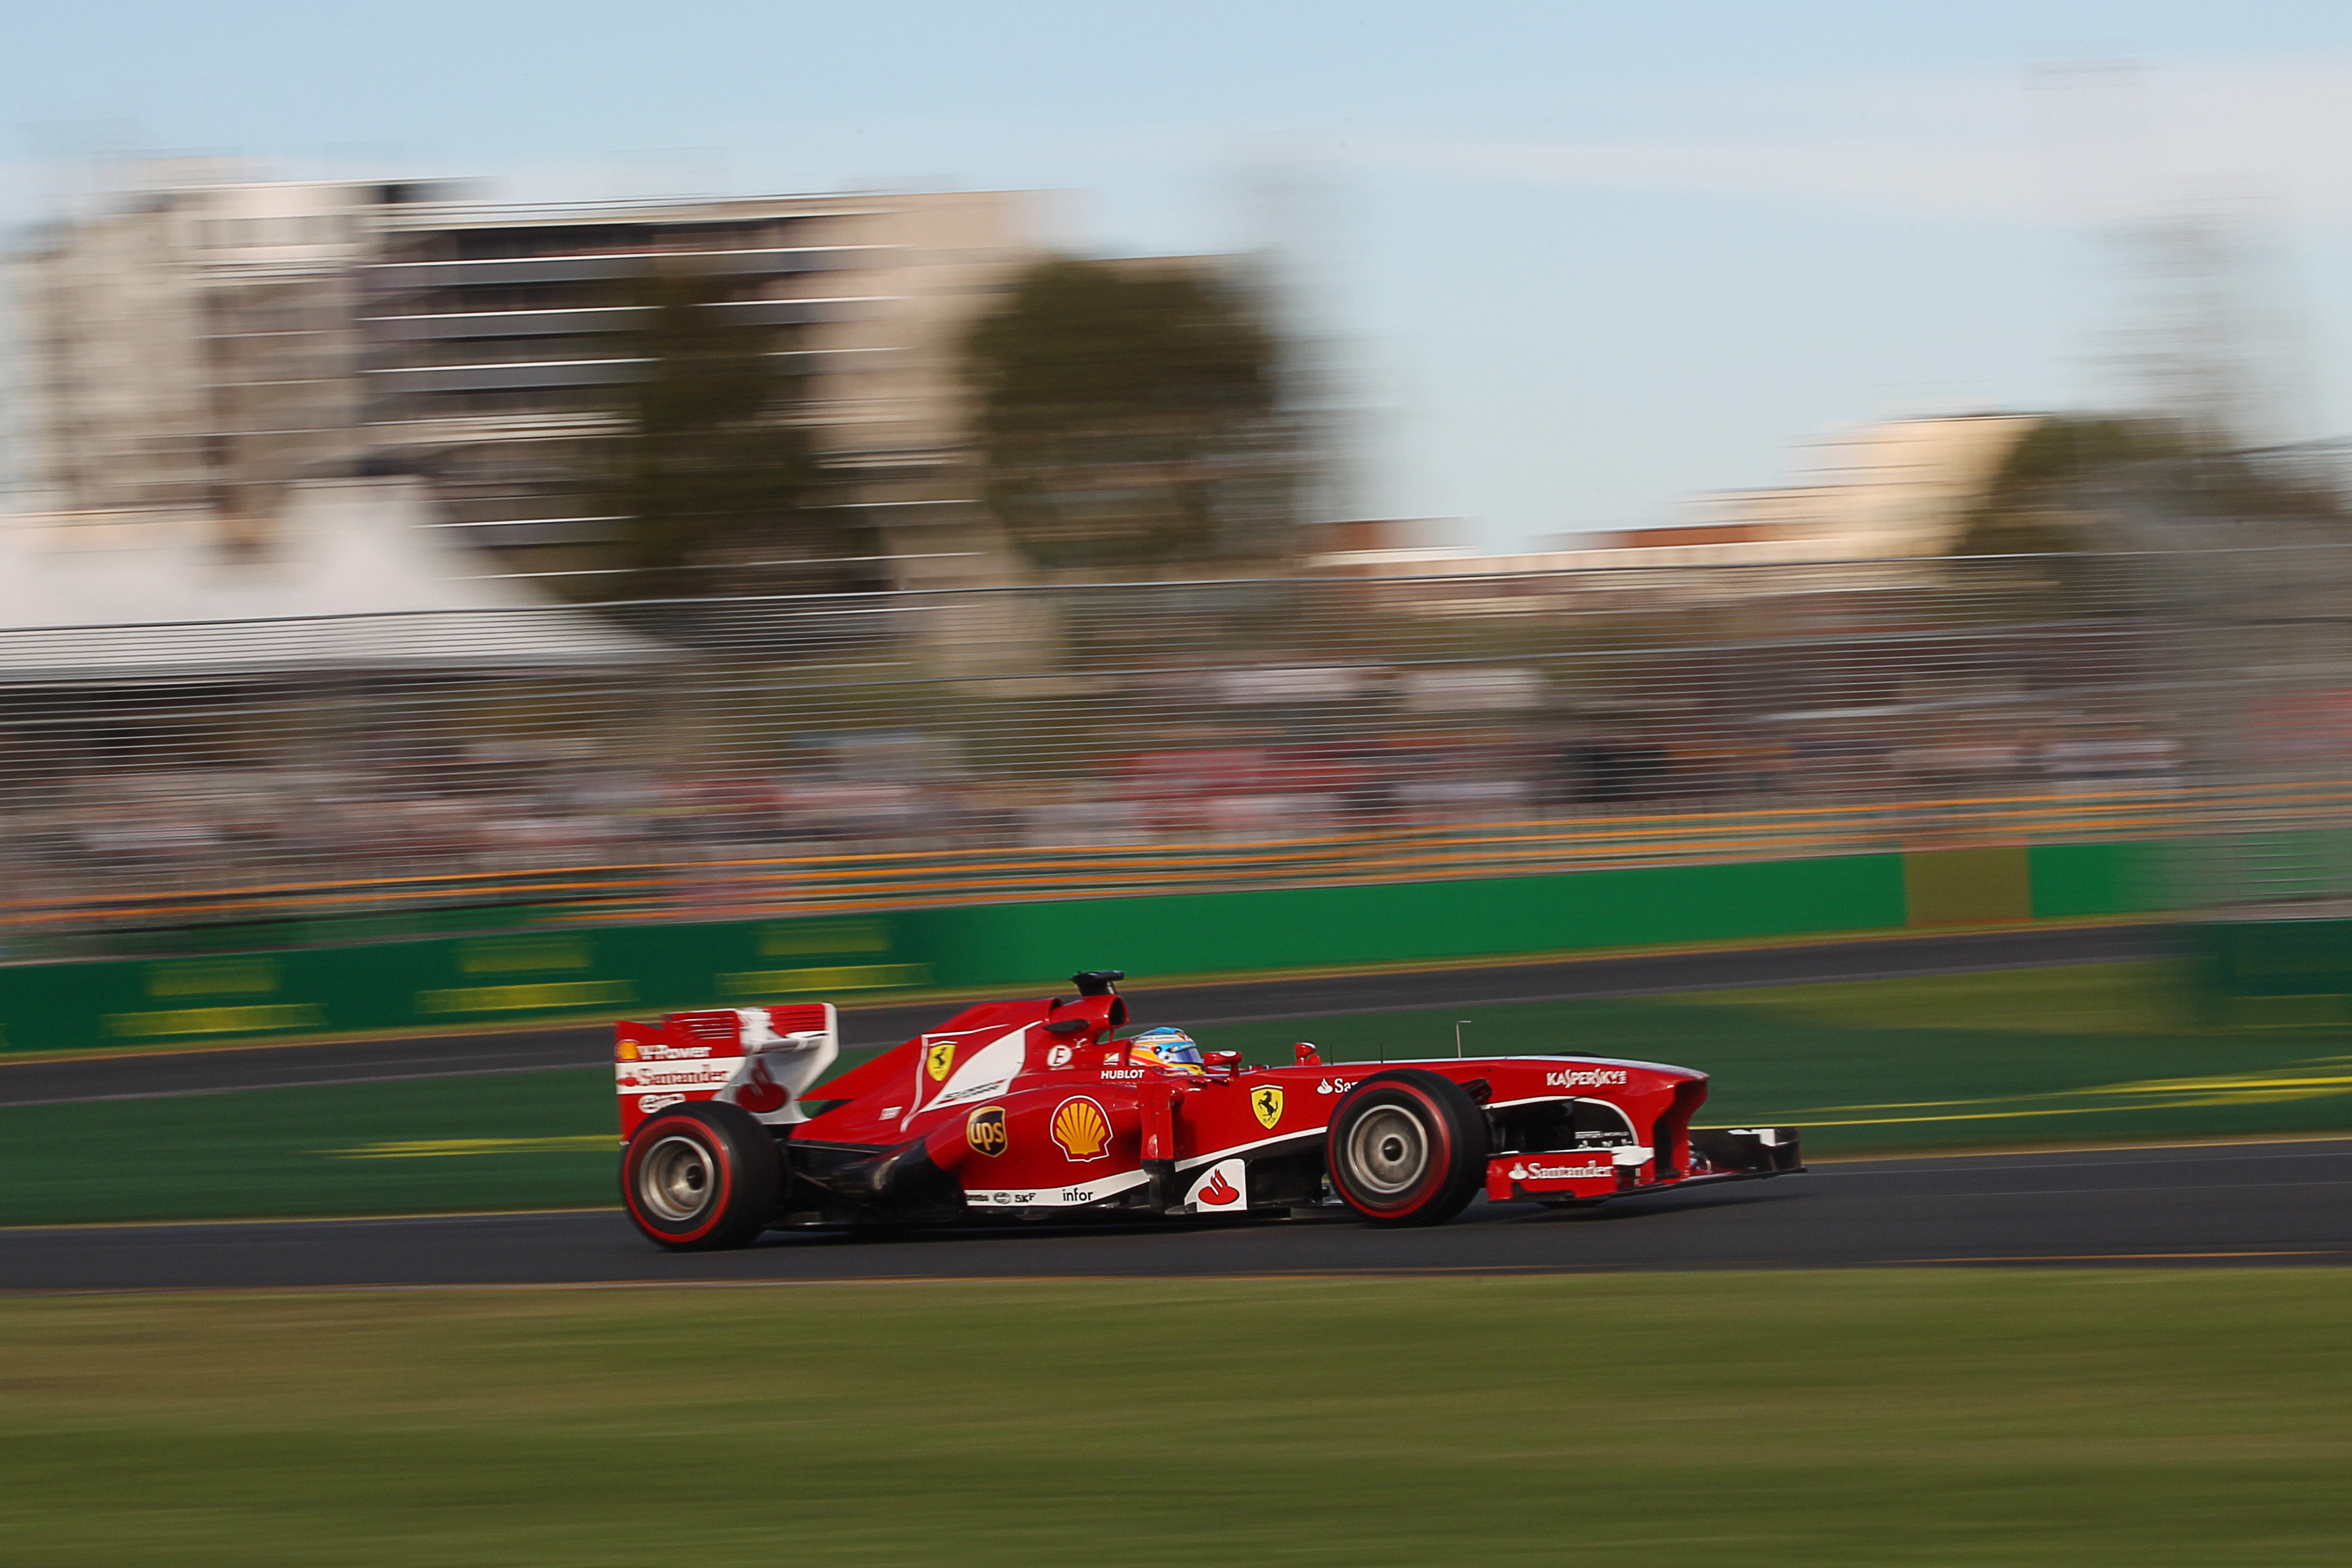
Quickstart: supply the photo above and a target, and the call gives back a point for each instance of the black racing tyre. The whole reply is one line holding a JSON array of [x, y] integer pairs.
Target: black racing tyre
[[1407, 1147], [702, 1177]]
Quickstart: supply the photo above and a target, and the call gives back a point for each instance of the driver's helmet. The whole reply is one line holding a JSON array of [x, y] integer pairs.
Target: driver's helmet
[[1171, 1049]]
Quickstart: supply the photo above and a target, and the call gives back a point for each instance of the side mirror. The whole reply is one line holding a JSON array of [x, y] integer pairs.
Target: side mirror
[[1227, 1062], [1307, 1056]]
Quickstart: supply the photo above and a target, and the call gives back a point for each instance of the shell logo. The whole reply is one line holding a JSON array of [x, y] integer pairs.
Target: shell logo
[[1082, 1128], [628, 1051]]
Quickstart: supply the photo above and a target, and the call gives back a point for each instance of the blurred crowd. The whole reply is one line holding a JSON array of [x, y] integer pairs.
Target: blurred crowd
[[175, 828]]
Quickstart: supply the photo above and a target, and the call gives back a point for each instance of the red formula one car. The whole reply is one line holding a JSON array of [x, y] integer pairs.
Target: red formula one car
[[1034, 1110]]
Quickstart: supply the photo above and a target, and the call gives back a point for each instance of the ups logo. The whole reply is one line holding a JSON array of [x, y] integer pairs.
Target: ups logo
[[984, 1130]]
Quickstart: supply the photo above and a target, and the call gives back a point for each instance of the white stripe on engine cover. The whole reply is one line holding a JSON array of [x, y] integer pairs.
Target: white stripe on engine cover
[[1232, 1148]]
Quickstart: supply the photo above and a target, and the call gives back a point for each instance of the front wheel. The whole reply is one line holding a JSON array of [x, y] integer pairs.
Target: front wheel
[[702, 1177], [1407, 1147]]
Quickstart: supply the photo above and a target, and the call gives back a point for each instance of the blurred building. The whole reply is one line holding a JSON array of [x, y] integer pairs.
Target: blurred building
[[1897, 490], [492, 336], [197, 347], [208, 346]]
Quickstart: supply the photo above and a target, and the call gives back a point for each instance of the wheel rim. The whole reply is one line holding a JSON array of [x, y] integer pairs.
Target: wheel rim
[[1387, 1152], [677, 1179]]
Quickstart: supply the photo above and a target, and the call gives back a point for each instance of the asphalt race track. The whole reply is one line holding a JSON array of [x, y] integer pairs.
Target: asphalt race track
[[153, 1076], [2245, 1203], [2251, 1204]]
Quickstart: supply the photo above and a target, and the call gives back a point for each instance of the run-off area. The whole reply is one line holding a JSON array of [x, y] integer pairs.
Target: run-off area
[[1854, 1418]]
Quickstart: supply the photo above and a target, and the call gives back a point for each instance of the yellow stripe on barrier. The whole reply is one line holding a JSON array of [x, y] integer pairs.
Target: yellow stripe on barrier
[[448, 1148], [527, 998]]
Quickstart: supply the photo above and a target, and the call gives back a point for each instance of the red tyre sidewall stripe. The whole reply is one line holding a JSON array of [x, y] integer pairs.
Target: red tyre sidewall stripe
[[1440, 1160], [722, 1158]]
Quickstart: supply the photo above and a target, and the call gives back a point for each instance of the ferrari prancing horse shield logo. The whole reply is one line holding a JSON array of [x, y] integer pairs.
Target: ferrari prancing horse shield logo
[[1268, 1103], [938, 1059]]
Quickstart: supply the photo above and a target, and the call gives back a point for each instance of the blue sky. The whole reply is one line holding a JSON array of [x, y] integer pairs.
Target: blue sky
[[1575, 263]]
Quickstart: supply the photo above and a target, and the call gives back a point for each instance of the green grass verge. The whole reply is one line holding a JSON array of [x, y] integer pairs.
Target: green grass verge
[[2081, 1054], [1868, 1418], [505, 1141]]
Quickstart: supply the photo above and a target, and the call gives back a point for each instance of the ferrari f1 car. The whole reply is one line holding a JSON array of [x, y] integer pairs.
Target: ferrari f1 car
[[1035, 1110]]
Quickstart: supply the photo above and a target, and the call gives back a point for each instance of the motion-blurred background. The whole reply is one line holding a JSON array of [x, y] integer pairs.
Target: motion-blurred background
[[1143, 453], [516, 516]]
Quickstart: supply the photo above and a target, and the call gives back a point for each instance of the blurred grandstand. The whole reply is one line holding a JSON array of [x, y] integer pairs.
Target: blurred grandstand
[[288, 779]]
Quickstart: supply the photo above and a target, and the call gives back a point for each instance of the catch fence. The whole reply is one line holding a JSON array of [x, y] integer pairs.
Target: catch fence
[[323, 779]]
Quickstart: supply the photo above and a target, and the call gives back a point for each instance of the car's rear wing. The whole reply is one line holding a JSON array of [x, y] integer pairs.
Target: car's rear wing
[[762, 1059]]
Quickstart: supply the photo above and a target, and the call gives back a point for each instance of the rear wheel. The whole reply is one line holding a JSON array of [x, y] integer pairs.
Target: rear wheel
[[1407, 1147], [700, 1177]]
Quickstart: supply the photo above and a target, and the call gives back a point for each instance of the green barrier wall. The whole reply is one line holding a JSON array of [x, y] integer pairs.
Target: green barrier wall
[[2083, 881], [460, 984], [2276, 974]]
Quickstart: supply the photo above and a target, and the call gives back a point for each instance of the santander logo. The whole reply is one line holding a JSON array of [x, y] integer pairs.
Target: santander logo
[[1219, 1192], [1534, 1171], [1223, 1186], [763, 1093]]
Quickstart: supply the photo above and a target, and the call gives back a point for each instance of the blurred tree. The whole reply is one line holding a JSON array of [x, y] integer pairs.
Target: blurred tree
[[1130, 415], [711, 471], [2022, 513], [2035, 504], [2102, 502]]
